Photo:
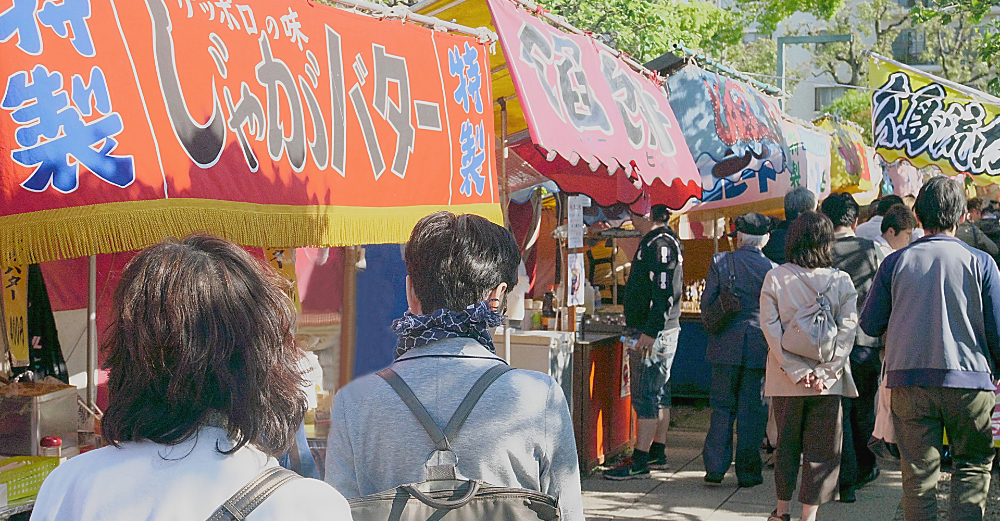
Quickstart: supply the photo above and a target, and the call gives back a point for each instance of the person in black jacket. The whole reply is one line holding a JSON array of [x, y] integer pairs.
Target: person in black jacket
[[653, 310], [738, 355], [797, 201], [860, 259], [969, 231]]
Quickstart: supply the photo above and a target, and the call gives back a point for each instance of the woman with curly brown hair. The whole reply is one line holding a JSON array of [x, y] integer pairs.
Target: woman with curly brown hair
[[204, 394]]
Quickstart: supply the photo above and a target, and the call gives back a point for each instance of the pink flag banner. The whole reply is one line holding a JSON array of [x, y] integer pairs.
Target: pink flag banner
[[584, 103]]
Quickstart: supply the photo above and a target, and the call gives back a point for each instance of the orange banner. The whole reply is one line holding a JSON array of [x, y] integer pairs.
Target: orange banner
[[275, 123]]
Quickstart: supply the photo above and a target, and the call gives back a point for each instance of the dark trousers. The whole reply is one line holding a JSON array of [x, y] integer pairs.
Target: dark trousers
[[810, 436], [856, 460], [736, 397], [920, 416]]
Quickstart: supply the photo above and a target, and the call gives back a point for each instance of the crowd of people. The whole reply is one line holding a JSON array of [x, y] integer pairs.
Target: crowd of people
[[829, 304], [204, 391], [910, 299]]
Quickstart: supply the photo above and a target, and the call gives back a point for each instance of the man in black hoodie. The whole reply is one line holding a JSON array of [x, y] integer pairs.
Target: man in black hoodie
[[653, 311]]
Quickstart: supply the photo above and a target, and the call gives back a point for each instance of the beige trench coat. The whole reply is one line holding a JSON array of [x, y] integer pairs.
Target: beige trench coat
[[783, 293]]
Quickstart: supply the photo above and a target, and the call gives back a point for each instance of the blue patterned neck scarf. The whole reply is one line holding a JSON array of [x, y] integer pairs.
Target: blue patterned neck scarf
[[473, 322]]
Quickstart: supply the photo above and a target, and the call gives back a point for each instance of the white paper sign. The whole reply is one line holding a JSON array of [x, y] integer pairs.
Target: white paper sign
[[575, 225]]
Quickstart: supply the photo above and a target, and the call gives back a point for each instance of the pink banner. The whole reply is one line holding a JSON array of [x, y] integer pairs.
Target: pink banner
[[584, 103]]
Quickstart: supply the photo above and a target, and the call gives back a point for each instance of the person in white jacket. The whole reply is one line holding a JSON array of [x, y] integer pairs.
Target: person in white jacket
[[205, 391], [806, 393]]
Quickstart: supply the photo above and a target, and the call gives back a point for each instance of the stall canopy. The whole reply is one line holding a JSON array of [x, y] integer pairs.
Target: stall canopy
[[853, 168], [925, 120], [272, 123], [747, 153], [577, 111]]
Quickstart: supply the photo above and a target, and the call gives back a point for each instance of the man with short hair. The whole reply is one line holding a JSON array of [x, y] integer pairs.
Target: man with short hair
[[859, 258], [969, 232], [938, 304], [873, 227], [653, 309], [975, 206], [798, 201], [518, 435], [738, 355], [897, 230]]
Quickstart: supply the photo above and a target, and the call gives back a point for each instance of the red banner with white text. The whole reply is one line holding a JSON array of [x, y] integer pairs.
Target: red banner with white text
[[273, 123]]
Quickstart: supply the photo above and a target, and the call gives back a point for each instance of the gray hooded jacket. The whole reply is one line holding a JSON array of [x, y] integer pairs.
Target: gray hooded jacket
[[519, 435]]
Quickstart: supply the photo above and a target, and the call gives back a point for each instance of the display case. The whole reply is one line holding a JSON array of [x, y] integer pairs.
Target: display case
[[31, 411]]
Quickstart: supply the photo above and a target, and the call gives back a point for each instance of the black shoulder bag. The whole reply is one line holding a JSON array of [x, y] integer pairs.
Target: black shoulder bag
[[716, 316]]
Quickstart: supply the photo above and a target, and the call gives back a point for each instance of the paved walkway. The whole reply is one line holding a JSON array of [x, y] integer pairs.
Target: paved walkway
[[681, 494]]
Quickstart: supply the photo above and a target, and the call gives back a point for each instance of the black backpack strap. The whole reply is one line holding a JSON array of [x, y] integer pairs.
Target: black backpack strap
[[418, 409], [442, 438], [244, 501]]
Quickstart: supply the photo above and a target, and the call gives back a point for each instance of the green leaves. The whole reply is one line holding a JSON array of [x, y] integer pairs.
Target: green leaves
[[856, 106], [646, 29], [769, 13]]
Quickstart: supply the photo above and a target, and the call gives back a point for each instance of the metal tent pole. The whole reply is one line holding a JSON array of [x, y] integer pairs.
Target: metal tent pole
[[715, 232], [92, 332], [504, 184], [505, 206]]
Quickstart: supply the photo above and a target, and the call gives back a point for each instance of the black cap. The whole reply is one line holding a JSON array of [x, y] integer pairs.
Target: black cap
[[752, 224]]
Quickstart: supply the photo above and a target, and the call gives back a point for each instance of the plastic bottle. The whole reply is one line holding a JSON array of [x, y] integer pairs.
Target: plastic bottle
[[588, 298], [548, 304]]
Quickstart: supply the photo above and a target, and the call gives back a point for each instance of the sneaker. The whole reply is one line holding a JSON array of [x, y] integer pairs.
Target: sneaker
[[751, 482], [658, 463], [775, 517], [626, 472]]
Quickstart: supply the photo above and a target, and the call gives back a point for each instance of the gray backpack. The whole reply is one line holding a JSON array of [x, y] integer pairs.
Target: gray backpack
[[443, 496], [812, 332]]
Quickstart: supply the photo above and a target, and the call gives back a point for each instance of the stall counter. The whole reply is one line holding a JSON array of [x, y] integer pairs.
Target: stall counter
[[602, 420]]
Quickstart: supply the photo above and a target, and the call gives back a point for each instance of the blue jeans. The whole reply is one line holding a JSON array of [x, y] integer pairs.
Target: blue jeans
[[736, 397], [651, 375]]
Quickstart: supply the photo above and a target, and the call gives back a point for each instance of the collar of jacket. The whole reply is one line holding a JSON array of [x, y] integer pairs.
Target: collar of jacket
[[453, 347], [844, 233], [937, 237], [749, 248]]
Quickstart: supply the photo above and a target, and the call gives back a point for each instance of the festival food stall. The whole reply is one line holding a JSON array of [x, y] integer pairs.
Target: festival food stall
[[596, 123], [749, 155], [276, 126]]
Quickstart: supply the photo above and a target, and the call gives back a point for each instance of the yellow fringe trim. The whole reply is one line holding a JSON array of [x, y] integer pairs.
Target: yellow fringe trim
[[68, 233]]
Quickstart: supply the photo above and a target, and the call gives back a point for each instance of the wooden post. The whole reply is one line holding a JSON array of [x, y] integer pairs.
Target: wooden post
[[348, 316], [504, 184], [614, 271]]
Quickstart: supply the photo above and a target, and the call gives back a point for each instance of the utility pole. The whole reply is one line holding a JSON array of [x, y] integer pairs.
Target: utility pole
[[782, 40]]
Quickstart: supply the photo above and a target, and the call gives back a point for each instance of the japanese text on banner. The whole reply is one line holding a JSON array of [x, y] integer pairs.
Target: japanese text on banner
[[207, 107], [15, 308]]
